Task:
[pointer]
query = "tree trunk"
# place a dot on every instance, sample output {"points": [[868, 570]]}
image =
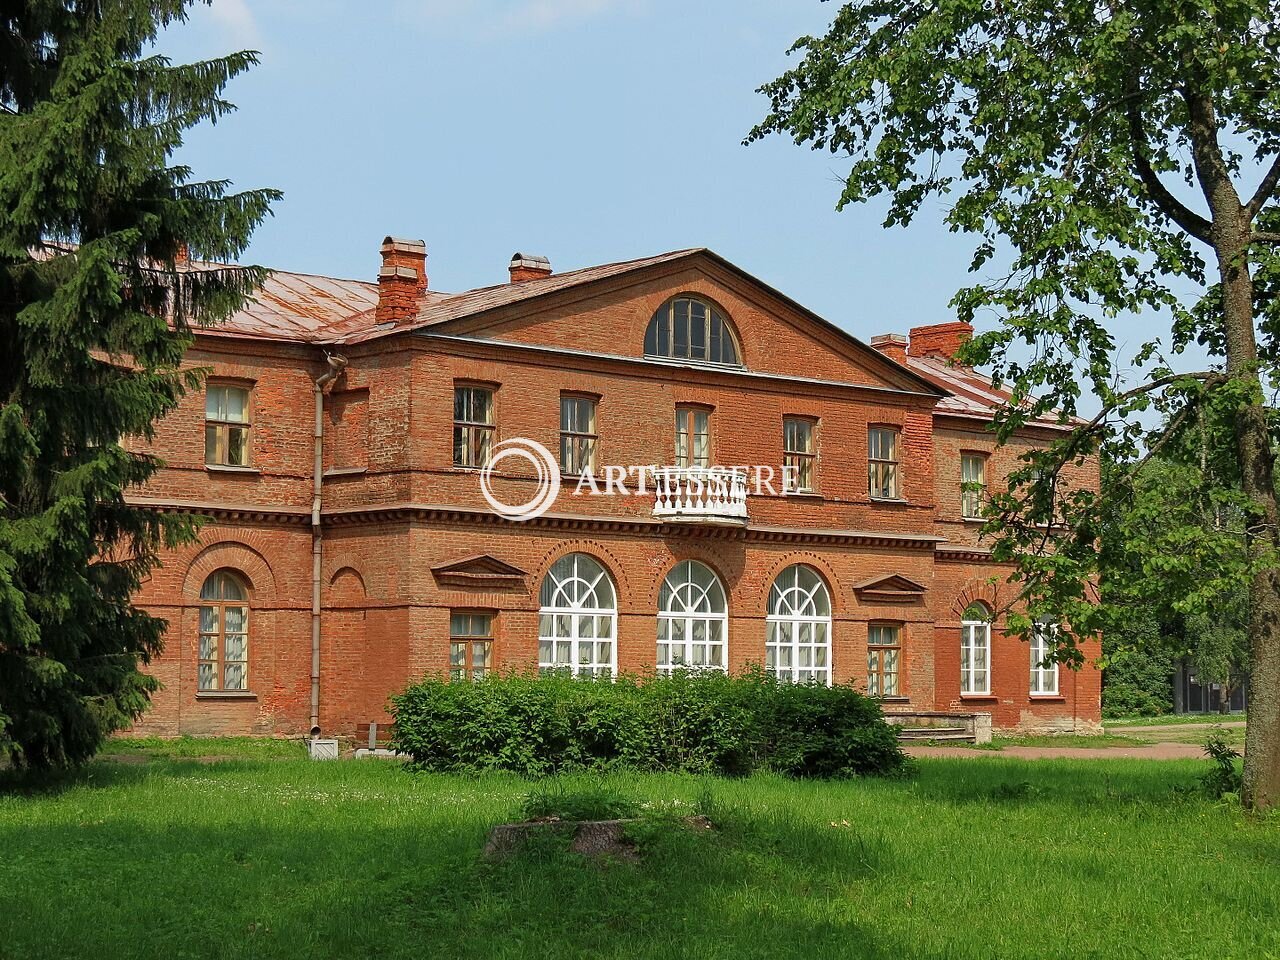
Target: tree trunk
{"points": [[1253, 446], [1230, 234]]}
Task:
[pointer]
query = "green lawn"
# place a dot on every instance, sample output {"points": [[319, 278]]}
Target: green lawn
{"points": [[1176, 719], [172, 856]]}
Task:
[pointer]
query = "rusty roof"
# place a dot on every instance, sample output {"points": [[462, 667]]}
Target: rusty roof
{"points": [[971, 394], [306, 308]]}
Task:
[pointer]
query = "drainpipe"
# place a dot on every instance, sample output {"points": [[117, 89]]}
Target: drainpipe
{"points": [[337, 363]]}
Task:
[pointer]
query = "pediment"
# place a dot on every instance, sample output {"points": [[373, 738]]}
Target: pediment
{"points": [[893, 587], [604, 312], [481, 571]]}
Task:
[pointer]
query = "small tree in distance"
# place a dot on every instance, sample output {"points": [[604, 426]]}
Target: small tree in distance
{"points": [[1098, 152], [95, 315]]}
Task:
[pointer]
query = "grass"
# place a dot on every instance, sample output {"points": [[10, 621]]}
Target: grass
{"points": [[257, 857], [1172, 719]]}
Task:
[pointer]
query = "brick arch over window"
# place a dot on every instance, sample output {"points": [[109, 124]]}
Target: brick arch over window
{"points": [[346, 587], [990, 595], [594, 548], [729, 570], [760, 597], [251, 566]]}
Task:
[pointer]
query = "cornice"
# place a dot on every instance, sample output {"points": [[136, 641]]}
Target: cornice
{"points": [[444, 514], [227, 512], [447, 514]]}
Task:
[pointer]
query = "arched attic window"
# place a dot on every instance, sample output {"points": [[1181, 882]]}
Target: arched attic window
{"points": [[687, 328]]}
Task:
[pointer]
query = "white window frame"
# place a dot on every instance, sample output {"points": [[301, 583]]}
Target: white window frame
{"points": [[575, 608], [975, 637], [795, 610], [971, 500], [1044, 680], [693, 626]]}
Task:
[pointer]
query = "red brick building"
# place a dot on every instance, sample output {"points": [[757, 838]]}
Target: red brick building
{"points": [[337, 449]]}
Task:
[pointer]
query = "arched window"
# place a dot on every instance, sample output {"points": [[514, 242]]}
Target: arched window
{"points": [[689, 329], [975, 650], [578, 618], [224, 633], [693, 619], [798, 626]]}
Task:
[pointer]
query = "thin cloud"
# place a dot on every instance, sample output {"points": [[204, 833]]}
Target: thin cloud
{"points": [[235, 19]]}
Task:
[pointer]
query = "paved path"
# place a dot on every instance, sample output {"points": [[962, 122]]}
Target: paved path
{"points": [[1153, 751]]}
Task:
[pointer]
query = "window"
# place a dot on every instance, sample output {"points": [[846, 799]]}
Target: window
{"points": [[798, 454], [226, 426], [693, 437], [578, 618], [884, 644], [470, 645], [472, 426], [577, 435], [1044, 641], [973, 482], [693, 619], [798, 626], [975, 651], [882, 461], [689, 329], [224, 634]]}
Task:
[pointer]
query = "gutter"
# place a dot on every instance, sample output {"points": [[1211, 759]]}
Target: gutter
{"points": [[337, 363]]}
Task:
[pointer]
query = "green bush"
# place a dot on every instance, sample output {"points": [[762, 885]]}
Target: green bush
{"points": [[687, 722]]}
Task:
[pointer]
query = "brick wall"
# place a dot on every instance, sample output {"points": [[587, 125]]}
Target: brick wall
{"points": [[388, 422]]}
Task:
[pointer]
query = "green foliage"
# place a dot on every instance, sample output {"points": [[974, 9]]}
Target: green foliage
{"points": [[95, 315], [1138, 663], [1224, 779], [691, 722], [1047, 131], [556, 802]]}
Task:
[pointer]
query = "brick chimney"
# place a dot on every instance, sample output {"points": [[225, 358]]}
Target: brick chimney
{"points": [[939, 340], [529, 266], [892, 345], [402, 280]]}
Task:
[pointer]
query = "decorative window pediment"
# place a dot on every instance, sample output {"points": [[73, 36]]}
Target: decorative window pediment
{"points": [[480, 571], [893, 587]]}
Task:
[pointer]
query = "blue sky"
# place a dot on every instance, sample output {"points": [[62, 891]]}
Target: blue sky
{"points": [[584, 130]]}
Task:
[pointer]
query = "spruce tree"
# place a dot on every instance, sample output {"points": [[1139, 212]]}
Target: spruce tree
{"points": [[97, 307]]}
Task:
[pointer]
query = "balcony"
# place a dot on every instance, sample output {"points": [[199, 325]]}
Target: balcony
{"points": [[701, 495]]}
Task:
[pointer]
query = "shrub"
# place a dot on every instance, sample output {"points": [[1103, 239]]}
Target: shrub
{"points": [[1224, 777], [687, 722]]}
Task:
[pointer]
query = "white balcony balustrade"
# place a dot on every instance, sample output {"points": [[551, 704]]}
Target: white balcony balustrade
{"points": [[701, 494]]}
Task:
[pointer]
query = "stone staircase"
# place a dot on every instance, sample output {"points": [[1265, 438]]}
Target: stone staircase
{"points": [[927, 725]]}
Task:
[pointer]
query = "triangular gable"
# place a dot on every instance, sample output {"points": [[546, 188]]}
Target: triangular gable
{"points": [[480, 570], [894, 587], [530, 311]]}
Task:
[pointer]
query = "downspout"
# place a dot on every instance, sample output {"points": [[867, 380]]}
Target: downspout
{"points": [[337, 363]]}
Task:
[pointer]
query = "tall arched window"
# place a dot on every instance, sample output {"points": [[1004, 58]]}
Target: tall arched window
{"points": [[690, 329], [224, 633], [693, 619], [975, 651], [798, 626], [578, 618]]}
